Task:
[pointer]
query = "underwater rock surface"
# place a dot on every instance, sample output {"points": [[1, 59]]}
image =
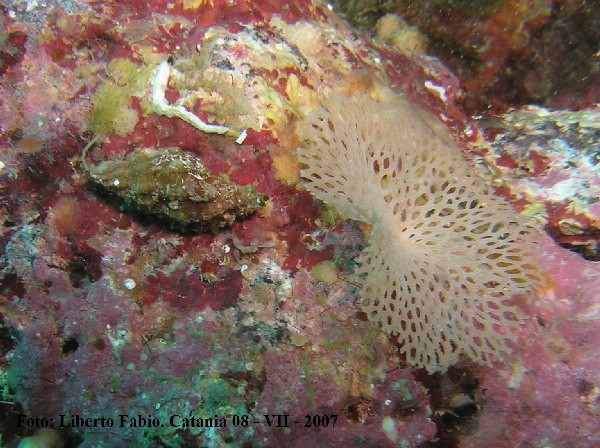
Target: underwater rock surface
{"points": [[165, 334]]}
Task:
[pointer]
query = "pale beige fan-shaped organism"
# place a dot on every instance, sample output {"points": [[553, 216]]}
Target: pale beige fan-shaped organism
{"points": [[445, 255]]}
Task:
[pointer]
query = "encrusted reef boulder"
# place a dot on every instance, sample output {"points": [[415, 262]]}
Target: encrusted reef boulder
{"points": [[108, 318], [177, 188]]}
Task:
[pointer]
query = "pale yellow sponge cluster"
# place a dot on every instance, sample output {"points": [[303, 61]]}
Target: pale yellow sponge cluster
{"points": [[393, 30], [446, 258]]}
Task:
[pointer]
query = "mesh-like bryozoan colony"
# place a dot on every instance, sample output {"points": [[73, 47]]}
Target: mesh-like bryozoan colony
{"points": [[445, 255]]}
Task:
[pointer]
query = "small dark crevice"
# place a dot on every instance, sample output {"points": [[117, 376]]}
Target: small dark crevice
{"points": [[455, 411]]}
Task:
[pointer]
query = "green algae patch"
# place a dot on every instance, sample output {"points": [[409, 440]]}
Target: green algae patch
{"points": [[112, 111], [125, 73], [325, 272], [219, 398], [330, 217]]}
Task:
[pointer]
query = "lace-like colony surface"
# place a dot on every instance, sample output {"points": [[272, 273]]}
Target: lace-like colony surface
{"points": [[445, 255]]}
